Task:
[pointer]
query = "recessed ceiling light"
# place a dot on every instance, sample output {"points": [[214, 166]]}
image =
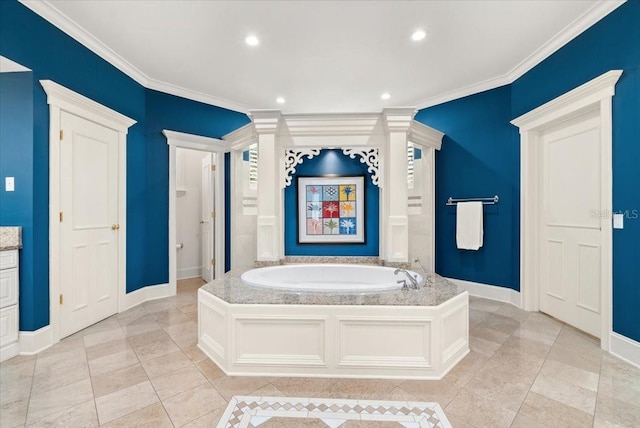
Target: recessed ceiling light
{"points": [[418, 35], [385, 96], [252, 40], [280, 100]]}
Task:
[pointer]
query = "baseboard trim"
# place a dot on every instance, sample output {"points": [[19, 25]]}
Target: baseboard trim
{"points": [[487, 291], [624, 348], [141, 295], [190, 272], [32, 342]]}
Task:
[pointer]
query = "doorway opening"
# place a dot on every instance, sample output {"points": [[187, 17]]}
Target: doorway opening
{"points": [[196, 207], [195, 214]]}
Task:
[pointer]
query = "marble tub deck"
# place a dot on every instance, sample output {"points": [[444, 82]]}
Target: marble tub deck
{"points": [[231, 289]]}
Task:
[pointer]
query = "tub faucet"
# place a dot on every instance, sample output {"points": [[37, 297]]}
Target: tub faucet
{"points": [[427, 278], [412, 280]]}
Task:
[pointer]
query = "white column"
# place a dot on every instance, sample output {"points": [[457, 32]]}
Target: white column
{"points": [[269, 229], [397, 122]]}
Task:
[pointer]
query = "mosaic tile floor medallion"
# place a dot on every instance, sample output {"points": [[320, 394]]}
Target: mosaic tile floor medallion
{"points": [[284, 412]]}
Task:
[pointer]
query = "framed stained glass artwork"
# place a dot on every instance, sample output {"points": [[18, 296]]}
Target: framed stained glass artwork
{"points": [[331, 210]]}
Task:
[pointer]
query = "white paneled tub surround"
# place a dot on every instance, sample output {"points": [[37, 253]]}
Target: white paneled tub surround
{"points": [[327, 278], [355, 336]]}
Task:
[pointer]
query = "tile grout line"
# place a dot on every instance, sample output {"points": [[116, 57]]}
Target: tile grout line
{"points": [[93, 391], [474, 376], [595, 407], [540, 329], [538, 373]]}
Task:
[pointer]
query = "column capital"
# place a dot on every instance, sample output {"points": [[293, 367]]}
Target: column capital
{"points": [[398, 119], [266, 121]]}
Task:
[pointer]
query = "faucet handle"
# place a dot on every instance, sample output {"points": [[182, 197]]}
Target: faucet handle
{"points": [[404, 283]]}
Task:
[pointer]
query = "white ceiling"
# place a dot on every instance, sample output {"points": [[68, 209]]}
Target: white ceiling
{"points": [[323, 56]]}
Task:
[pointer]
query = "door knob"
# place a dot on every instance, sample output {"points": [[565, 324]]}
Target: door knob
{"points": [[115, 226], [201, 221]]}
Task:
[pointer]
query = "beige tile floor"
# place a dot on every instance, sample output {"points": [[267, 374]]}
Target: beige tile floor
{"points": [[143, 368]]}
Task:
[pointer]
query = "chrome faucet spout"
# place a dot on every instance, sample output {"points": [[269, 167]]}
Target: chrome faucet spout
{"points": [[427, 278], [412, 280]]}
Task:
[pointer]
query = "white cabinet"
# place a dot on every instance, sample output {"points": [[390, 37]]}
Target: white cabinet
{"points": [[9, 286]]}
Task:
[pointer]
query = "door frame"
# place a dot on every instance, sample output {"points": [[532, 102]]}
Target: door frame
{"points": [[205, 144], [205, 260], [62, 99], [593, 96]]}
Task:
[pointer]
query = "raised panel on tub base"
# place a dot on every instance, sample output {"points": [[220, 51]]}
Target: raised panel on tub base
{"points": [[212, 327], [398, 343], [278, 341], [455, 334], [405, 342]]}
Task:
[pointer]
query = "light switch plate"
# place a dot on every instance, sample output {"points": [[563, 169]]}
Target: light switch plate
{"points": [[618, 221], [9, 184]]}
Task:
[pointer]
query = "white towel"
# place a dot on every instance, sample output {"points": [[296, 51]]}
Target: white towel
{"points": [[469, 231]]}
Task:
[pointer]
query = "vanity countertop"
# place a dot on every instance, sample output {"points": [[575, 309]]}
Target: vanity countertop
{"points": [[231, 289], [10, 238]]}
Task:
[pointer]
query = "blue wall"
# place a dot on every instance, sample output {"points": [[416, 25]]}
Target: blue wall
{"points": [[480, 156], [166, 111], [478, 159], [332, 162], [16, 160], [33, 42]]}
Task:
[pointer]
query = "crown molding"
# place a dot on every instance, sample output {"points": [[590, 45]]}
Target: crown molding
{"points": [[332, 124], [242, 138], [195, 142], [398, 119], [570, 32], [50, 13], [189, 94], [424, 135], [266, 121], [474, 88]]}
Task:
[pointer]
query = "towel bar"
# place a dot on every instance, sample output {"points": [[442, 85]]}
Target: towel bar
{"points": [[485, 201]]}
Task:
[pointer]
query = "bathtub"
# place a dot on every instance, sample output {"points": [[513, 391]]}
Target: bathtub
{"points": [[327, 278], [270, 331]]}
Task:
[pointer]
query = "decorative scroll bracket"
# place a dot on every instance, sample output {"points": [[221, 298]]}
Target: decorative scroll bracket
{"points": [[292, 158], [369, 157]]}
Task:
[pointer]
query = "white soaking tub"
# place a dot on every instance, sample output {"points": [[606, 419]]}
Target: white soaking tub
{"points": [[327, 278]]}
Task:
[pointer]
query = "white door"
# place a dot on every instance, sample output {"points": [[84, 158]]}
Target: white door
{"points": [[208, 216], [88, 223], [571, 237]]}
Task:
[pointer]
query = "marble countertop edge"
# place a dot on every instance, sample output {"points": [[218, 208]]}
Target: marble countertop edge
{"points": [[10, 238]]}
